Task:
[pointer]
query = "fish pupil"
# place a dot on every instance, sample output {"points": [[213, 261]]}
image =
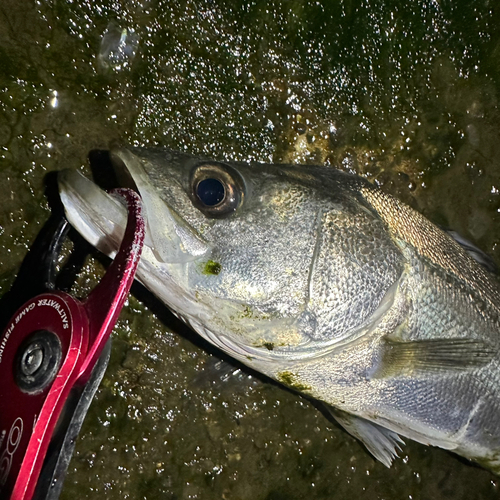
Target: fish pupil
{"points": [[210, 192]]}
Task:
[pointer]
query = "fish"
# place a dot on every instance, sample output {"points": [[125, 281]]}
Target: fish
{"points": [[323, 282]]}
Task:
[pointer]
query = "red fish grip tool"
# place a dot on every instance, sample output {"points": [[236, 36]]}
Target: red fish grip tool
{"points": [[53, 354]]}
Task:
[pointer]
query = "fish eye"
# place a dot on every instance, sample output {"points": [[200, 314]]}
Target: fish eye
{"points": [[216, 189], [210, 192]]}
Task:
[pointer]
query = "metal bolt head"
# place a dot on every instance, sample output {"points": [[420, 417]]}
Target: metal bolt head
{"points": [[37, 361]]}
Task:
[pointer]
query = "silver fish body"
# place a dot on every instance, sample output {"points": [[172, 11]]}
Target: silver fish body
{"points": [[318, 279]]}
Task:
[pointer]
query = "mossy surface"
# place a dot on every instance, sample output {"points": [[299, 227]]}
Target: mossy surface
{"points": [[293, 381], [211, 268]]}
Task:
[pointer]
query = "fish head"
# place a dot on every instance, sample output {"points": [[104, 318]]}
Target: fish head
{"points": [[228, 247], [236, 250]]}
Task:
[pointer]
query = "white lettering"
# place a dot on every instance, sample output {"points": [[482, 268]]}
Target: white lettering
{"points": [[4, 340], [25, 311], [55, 305], [15, 434]]}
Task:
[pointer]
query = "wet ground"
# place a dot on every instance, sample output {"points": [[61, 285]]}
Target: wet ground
{"points": [[404, 95]]}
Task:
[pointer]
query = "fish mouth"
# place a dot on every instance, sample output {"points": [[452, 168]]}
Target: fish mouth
{"points": [[101, 218]]}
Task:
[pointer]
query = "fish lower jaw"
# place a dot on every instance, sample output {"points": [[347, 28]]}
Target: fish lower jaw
{"points": [[264, 355], [239, 351]]}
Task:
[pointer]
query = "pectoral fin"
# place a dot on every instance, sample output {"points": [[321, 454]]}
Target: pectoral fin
{"points": [[427, 356], [382, 443]]}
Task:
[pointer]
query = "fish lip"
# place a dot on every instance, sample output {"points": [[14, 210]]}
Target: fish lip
{"points": [[80, 195], [121, 169]]}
